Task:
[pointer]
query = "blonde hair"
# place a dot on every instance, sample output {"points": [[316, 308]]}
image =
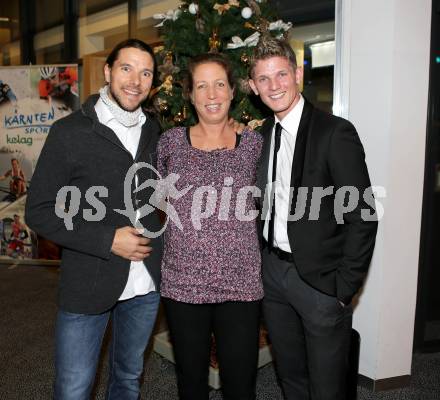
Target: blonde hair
{"points": [[268, 47]]}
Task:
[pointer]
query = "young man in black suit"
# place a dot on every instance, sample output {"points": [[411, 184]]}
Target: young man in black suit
{"points": [[314, 260]]}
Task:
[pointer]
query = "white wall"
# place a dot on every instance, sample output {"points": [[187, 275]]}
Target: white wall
{"points": [[386, 97]]}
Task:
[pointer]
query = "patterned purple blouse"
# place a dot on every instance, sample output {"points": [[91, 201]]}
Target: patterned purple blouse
{"points": [[215, 258]]}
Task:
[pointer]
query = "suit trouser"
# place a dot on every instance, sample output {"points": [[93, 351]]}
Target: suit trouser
{"points": [[310, 334], [236, 329]]}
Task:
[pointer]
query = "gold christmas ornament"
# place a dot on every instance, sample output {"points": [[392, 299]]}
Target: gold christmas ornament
{"points": [[179, 118], [261, 26], [214, 41], [245, 117], [244, 59], [163, 107], [167, 85], [248, 25], [160, 104], [221, 8], [167, 68]]}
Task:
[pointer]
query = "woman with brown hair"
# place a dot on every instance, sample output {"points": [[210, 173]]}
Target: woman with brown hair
{"points": [[211, 281]]}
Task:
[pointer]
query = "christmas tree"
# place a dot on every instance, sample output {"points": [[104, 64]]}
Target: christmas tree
{"points": [[232, 28]]}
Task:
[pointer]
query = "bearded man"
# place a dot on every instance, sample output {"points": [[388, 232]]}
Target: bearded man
{"points": [[109, 271]]}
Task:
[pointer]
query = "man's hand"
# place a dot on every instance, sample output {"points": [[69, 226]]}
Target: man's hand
{"points": [[237, 126], [128, 243]]}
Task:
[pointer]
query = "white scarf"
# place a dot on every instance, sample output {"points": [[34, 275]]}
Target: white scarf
{"points": [[126, 118]]}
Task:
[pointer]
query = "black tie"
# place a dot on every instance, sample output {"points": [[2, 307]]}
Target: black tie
{"points": [[276, 147]]}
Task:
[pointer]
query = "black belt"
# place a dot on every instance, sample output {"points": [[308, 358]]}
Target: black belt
{"points": [[281, 254]]}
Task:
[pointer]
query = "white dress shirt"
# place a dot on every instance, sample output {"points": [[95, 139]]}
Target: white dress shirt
{"points": [[139, 280], [290, 124]]}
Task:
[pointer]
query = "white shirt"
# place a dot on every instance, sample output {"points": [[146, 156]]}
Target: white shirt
{"points": [[139, 280], [290, 124]]}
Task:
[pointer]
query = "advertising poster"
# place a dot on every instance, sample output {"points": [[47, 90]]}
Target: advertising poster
{"points": [[32, 98]]}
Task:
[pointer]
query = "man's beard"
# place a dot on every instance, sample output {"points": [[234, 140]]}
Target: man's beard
{"points": [[118, 101]]}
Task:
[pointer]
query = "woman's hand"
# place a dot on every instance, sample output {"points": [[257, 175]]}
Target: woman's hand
{"points": [[236, 126]]}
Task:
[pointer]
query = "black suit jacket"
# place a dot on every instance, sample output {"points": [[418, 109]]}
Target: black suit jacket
{"points": [[331, 250], [81, 152]]}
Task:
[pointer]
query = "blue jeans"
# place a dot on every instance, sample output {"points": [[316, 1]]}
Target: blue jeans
{"points": [[78, 340]]}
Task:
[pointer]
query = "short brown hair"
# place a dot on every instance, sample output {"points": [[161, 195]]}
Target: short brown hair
{"points": [[268, 47], [206, 58]]}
